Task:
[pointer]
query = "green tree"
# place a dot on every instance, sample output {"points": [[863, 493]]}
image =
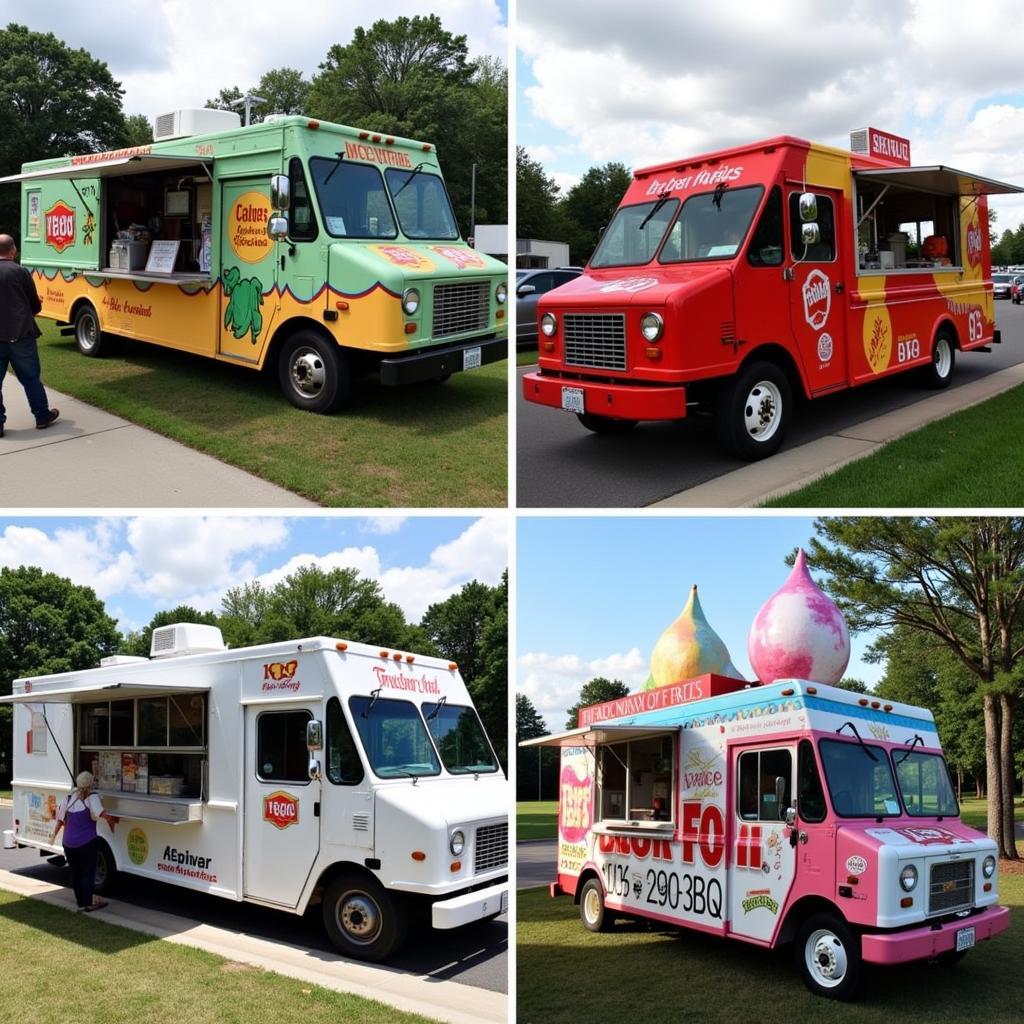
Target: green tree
{"points": [[47, 624], [54, 101], [960, 581], [137, 130], [536, 768], [537, 200], [138, 642], [590, 205], [853, 685], [283, 91], [224, 99], [596, 691], [1002, 251]]}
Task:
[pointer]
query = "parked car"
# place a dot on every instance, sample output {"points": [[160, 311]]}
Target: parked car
{"points": [[530, 286], [1017, 288], [1001, 285]]}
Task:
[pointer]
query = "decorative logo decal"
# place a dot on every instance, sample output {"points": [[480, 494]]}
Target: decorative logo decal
{"points": [[877, 337], [396, 681], [402, 256], [974, 243], [60, 225], [281, 809], [630, 284], [703, 775], [462, 258], [817, 293], [856, 865], [574, 816], [931, 836], [280, 675], [242, 315], [138, 846], [247, 227], [760, 898], [825, 348]]}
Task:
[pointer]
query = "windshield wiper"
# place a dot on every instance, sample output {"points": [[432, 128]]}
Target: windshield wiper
{"points": [[416, 170], [716, 199], [437, 707], [863, 745], [330, 173], [374, 697], [917, 739], [663, 198]]}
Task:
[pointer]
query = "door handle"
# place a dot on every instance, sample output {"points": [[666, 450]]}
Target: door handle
{"points": [[839, 287]]}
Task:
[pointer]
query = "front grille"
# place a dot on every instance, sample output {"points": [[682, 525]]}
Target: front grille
{"points": [[951, 886], [595, 339], [459, 308], [491, 847]]}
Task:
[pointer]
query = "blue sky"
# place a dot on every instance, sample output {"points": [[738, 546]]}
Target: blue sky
{"points": [[594, 594], [144, 564]]}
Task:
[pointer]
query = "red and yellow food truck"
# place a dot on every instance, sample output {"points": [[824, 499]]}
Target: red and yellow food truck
{"points": [[735, 280]]}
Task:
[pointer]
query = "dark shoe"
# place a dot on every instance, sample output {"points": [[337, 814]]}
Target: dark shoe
{"points": [[1, 430], [51, 418]]}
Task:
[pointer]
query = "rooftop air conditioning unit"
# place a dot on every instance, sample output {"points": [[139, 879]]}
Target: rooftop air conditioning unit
{"points": [[185, 638], [181, 124]]}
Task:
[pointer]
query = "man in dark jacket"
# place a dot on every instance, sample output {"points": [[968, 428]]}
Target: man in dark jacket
{"points": [[19, 303]]}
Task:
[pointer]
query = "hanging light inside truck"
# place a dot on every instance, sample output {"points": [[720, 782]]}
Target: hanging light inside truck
{"points": [[651, 326], [548, 324]]}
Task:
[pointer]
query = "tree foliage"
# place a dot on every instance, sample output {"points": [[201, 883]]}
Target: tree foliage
{"points": [[283, 91], [530, 762], [595, 691], [537, 200], [589, 206]]}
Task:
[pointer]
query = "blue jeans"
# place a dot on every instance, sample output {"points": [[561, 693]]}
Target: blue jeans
{"points": [[23, 355]]}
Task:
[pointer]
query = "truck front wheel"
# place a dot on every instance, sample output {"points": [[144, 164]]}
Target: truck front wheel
{"points": [[751, 411], [88, 335], [828, 956], [593, 913], [314, 373], [362, 918]]}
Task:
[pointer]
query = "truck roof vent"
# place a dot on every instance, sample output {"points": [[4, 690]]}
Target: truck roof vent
{"points": [[185, 638], [121, 659], [181, 124], [859, 141]]}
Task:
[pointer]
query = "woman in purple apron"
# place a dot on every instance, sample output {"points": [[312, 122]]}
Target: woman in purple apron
{"points": [[77, 815]]}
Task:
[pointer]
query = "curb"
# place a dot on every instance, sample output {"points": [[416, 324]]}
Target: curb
{"points": [[441, 1000]]}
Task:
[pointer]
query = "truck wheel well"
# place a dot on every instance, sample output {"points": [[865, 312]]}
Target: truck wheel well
{"points": [[331, 872], [800, 911], [81, 301], [950, 328], [582, 881], [285, 331], [776, 354]]}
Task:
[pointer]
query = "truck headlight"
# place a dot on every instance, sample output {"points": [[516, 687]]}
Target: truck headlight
{"points": [[457, 842], [501, 293], [908, 878], [410, 300], [988, 866], [548, 324], [651, 326]]}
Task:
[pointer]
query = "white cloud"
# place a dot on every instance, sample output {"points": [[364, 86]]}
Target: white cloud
{"points": [[384, 525], [553, 681]]}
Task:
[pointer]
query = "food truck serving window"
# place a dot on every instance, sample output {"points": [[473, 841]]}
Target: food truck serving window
{"points": [[634, 234], [460, 739], [757, 796], [636, 780], [343, 765], [422, 204], [712, 225], [924, 784], [859, 779], [281, 752], [353, 200], [394, 737]]}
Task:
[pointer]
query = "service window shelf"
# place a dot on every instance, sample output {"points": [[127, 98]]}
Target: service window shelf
{"points": [[141, 275], [171, 810], [618, 826]]}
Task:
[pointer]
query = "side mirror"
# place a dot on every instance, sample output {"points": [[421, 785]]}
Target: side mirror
{"points": [[314, 769], [526, 289], [314, 735], [280, 192], [790, 816], [277, 227], [808, 206], [780, 792], [809, 234]]}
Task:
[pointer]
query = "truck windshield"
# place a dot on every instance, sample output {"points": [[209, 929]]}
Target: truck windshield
{"points": [[859, 779], [628, 244], [353, 200], [712, 226], [422, 204], [924, 784], [459, 736], [394, 738]]}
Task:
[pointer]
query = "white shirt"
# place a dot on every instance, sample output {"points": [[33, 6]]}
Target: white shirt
{"points": [[73, 802]]}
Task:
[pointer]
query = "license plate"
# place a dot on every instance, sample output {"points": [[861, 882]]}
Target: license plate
{"points": [[504, 904], [572, 400], [964, 939], [471, 358]]}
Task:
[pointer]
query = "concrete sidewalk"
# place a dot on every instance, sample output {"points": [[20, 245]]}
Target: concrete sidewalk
{"points": [[91, 458], [779, 474], [442, 1000]]}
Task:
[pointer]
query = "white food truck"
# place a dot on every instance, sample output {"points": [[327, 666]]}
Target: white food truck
{"points": [[284, 774]]}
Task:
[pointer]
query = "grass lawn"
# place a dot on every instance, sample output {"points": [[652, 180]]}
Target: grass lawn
{"points": [[424, 445], [657, 973], [528, 357], [6, 794], [536, 819], [961, 460], [975, 812], [61, 966]]}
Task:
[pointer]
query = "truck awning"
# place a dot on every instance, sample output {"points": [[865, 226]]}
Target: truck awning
{"points": [[592, 735], [86, 693], [938, 179], [112, 167]]}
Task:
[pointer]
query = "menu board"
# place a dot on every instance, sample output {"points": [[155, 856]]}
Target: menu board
{"points": [[162, 257], [110, 770]]}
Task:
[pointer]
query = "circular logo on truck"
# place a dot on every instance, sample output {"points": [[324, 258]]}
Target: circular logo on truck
{"points": [[247, 227], [138, 846], [817, 294], [281, 809]]}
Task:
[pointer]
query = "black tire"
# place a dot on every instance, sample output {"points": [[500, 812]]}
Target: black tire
{"points": [[605, 424], [314, 373], [91, 341], [828, 956], [106, 870], [752, 411], [363, 919], [939, 371], [593, 913]]}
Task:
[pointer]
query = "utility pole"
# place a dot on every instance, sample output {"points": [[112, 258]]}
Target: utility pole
{"points": [[247, 102]]}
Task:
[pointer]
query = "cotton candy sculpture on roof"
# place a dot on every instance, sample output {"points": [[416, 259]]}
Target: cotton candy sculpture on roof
{"points": [[799, 633], [689, 648]]}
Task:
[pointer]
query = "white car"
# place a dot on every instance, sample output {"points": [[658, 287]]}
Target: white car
{"points": [[1001, 285]]}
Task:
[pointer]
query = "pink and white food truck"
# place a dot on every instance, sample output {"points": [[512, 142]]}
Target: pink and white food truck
{"points": [[779, 811]]}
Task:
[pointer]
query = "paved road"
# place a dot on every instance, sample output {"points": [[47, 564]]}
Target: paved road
{"points": [[476, 955], [536, 862], [562, 465]]}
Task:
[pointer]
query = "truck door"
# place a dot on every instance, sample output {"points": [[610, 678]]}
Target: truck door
{"points": [[282, 805], [248, 271], [763, 862], [817, 293]]}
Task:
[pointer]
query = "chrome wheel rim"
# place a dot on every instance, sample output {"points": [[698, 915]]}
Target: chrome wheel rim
{"points": [[762, 410], [359, 918], [826, 958], [943, 358], [307, 372], [87, 332]]}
